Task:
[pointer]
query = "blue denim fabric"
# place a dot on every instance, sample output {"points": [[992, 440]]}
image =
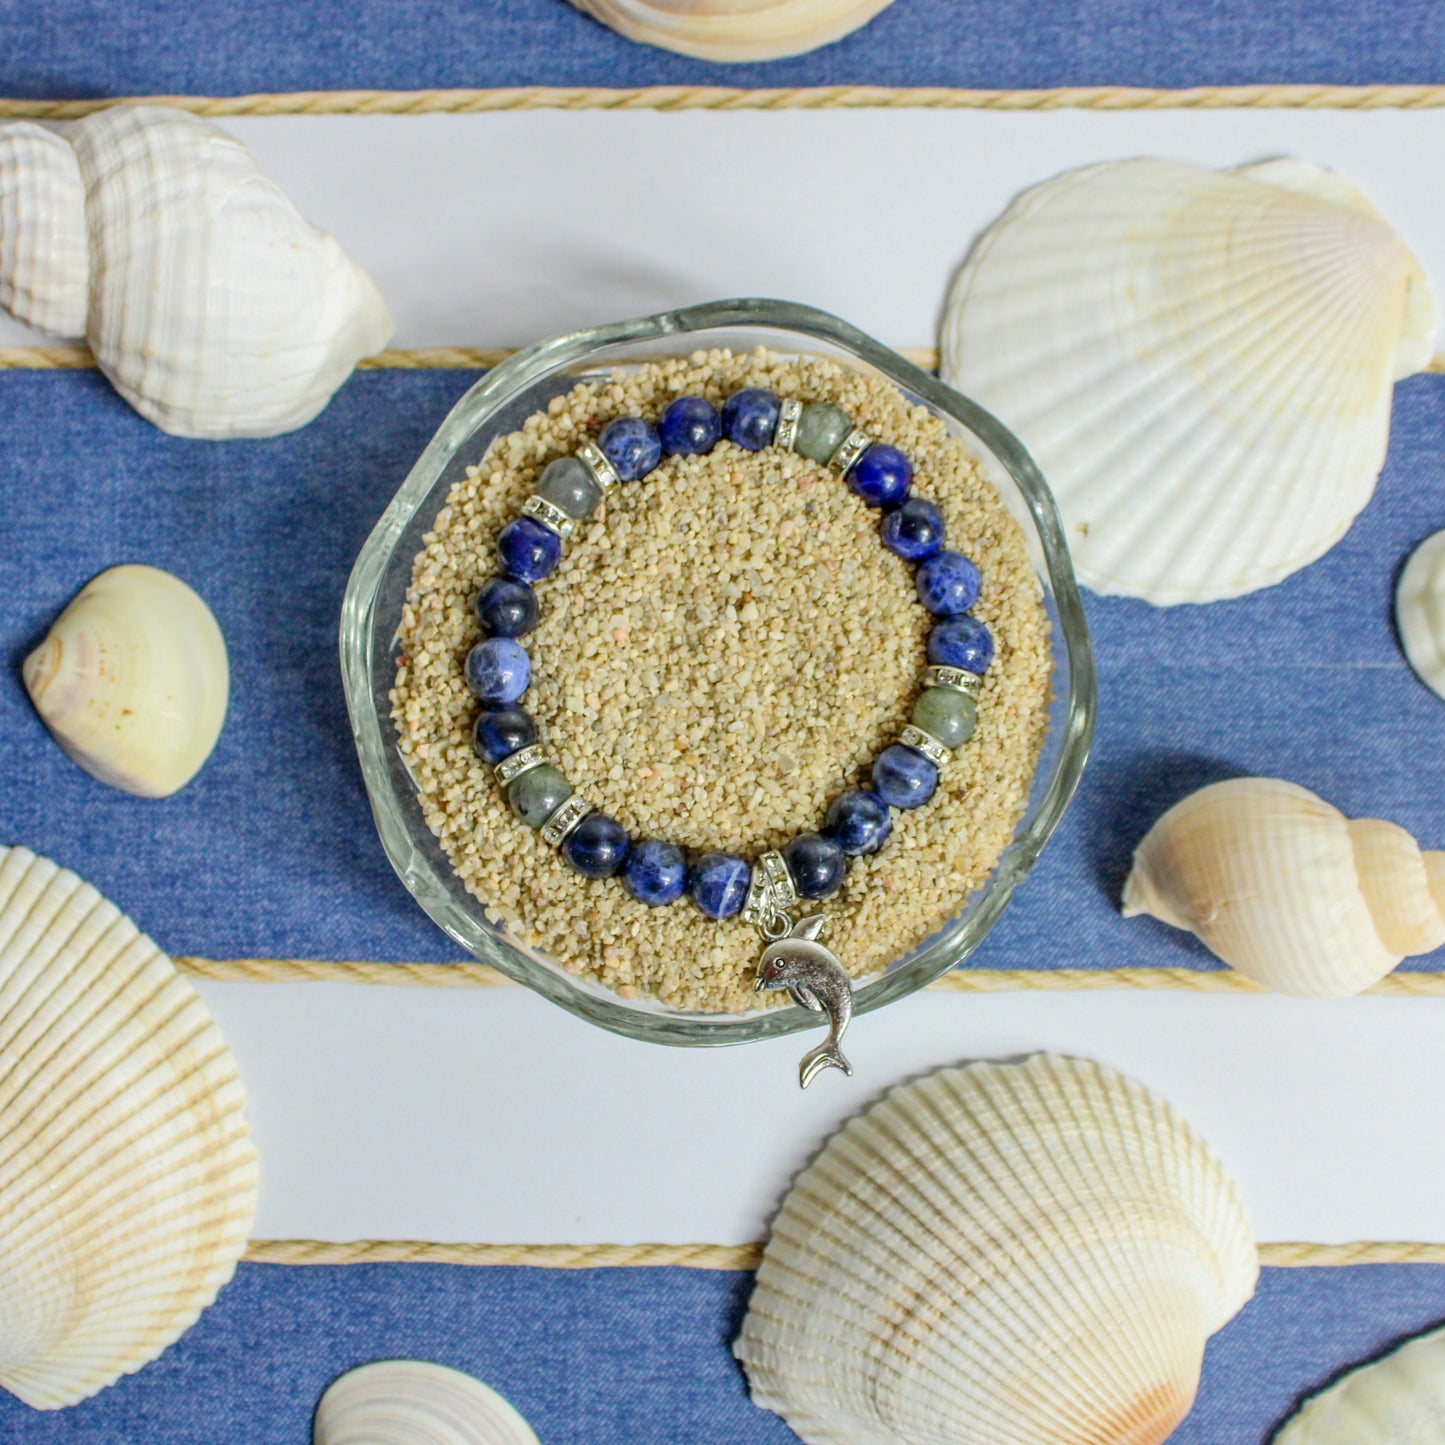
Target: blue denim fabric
{"points": [[634, 1356], [226, 47], [271, 850]]}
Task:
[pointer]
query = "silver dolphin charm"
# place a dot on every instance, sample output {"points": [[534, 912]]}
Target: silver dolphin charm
{"points": [[815, 978]]}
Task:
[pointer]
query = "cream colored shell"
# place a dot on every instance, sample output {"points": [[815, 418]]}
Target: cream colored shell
{"points": [[1007, 1254], [411, 1402], [214, 309], [133, 680], [127, 1178], [1201, 362], [734, 29], [1420, 612], [1288, 890], [1399, 1400]]}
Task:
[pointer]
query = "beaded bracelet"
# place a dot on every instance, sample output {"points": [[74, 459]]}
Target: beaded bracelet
{"points": [[904, 775]]}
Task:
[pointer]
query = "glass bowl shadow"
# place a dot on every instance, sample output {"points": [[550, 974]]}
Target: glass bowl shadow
{"points": [[499, 403]]}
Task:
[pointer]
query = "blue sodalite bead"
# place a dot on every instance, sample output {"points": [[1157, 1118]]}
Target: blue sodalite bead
{"points": [[881, 476], [498, 670], [527, 550], [903, 778], [718, 884], [948, 583], [750, 418], [689, 426], [859, 821], [507, 608], [596, 846], [913, 530], [961, 642], [632, 446], [816, 863], [655, 872], [501, 731]]}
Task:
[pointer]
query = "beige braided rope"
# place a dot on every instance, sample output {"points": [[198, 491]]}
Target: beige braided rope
{"points": [[719, 97], [1286, 1254]]}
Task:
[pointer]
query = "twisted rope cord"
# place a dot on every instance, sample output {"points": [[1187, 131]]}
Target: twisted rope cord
{"points": [[718, 97]]}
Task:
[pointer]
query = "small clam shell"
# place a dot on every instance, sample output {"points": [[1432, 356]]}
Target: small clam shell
{"points": [[1399, 1400], [133, 680], [411, 1402], [127, 1178], [44, 257], [1003, 1254], [1420, 612], [730, 30], [1286, 889]]}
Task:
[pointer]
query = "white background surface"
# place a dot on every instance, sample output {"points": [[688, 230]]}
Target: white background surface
{"points": [[492, 1116]]}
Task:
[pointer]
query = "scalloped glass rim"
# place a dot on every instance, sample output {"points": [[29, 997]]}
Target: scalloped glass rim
{"points": [[497, 404]]}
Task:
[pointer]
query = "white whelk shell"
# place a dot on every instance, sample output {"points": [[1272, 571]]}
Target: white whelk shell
{"points": [[133, 681], [729, 30], [1201, 362], [1399, 1400], [1420, 612], [44, 255], [127, 1178], [1286, 889], [1008, 1254], [411, 1402], [213, 307]]}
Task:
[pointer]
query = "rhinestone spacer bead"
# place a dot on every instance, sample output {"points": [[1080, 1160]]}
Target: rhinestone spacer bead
{"points": [[787, 432], [553, 518], [850, 449], [564, 818], [521, 761], [957, 678], [771, 890], [925, 743], [595, 460]]}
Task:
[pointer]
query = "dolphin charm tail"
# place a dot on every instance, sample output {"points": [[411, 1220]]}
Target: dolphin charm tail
{"points": [[825, 1056]]}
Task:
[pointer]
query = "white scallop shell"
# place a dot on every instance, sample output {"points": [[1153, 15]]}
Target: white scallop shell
{"points": [[214, 309], [411, 1402], [127, 1178], [1286, 889], [1201, 362], [1399, 1400], [1007, 1254], [730, 30], [1420, 612], [133, 680], [44, 258]]}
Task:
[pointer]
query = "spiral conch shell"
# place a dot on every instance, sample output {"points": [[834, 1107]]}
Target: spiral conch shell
{"points": [[1008, 1254], [412, 1402], [1420, 612], [1399, 1400], [213, 308], [127, 1178], [1201, 362], [729, 30], [133, 681], [1288, 890]]}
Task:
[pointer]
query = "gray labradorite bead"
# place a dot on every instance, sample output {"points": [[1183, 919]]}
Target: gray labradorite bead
{"points": [[566, 483], [821, 430], [537, 794], [945, 714]]}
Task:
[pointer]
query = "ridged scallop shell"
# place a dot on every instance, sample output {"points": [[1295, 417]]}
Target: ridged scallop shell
{"points": [[133, 680], [213, 308], [44, 265], [733, 30], [411, 1402], [1286, 889], [1008, 1254], [1420, 612], [127, 1178], [1398, 1400], [1201, 362]]}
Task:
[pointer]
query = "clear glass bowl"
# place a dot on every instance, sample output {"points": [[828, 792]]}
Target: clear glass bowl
{"points": [[498, 404]]}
